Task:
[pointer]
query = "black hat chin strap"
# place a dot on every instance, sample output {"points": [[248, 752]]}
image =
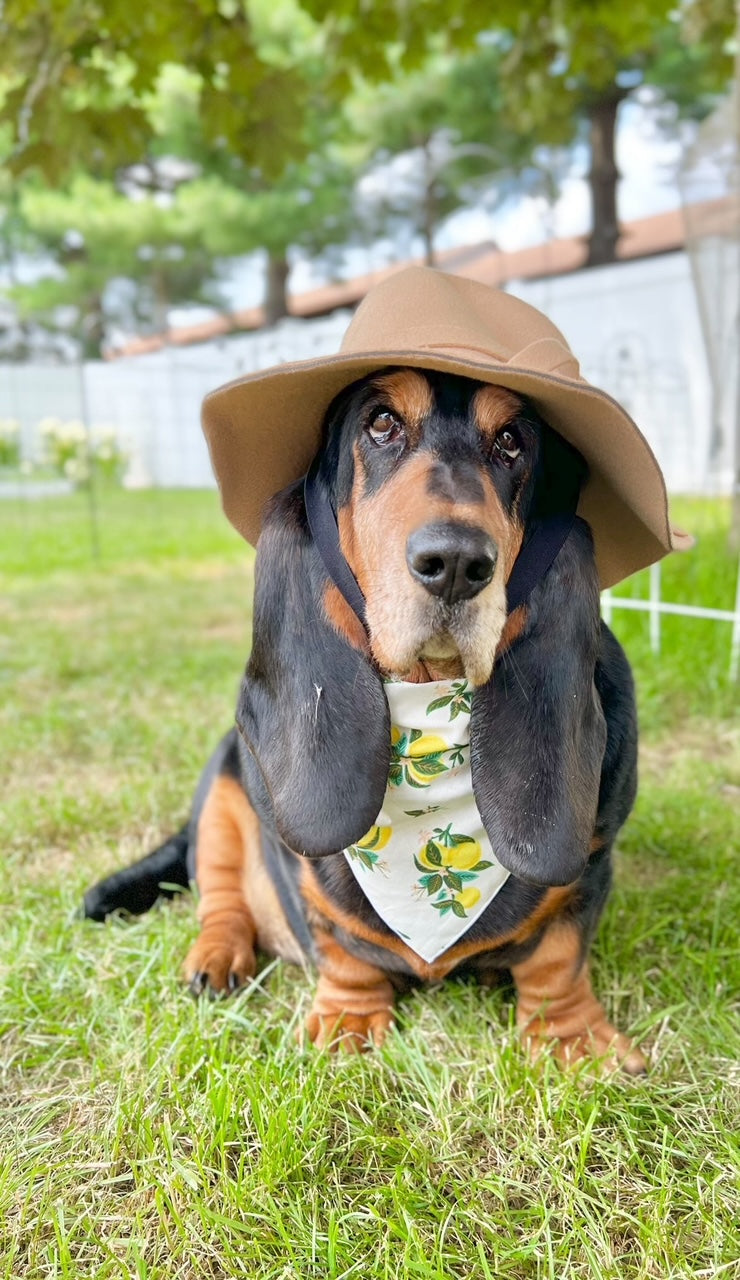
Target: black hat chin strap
{"points": [[536, 557], [322, 521]]}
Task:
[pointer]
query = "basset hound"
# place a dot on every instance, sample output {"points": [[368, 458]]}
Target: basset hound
{"points": [[439, 484]]}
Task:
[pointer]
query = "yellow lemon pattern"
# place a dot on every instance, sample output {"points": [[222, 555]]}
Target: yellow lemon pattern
{"points": [[426, 865], [449, 862], [418, 758], [467, 898], [367, 849]]}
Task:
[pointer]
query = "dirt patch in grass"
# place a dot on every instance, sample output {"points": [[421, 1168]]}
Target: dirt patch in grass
{"points": [[99, 855], [712, 741], [233, 632]]}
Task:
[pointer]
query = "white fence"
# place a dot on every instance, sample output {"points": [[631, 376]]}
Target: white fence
{"points": [[655, 606], [154, 401], [634, 326]]}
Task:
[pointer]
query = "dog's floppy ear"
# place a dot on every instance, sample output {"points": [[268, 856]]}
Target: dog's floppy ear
{"points": [[312, 712], [537, 729]]}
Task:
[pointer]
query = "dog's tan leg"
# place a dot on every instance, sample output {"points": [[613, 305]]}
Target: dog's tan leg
{"points": [[557, 1006], [353, 1005], [222, 957]]}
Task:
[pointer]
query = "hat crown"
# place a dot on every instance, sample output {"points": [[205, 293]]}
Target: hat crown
{"points": [[420, 309]]}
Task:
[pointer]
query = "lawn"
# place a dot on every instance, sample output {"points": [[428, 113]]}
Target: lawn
{"points": [[144, 1135]]}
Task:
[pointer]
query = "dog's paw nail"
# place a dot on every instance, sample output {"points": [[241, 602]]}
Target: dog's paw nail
{"points": [[234, 982], [198, 984]]}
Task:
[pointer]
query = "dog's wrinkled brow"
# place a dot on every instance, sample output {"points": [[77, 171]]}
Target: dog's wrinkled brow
{"points": [[493, 407], [408, 393]]}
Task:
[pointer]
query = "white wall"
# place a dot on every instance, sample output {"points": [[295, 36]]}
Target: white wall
{"points": [[634, 327]]}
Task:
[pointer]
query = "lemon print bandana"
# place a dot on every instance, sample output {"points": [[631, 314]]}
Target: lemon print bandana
{"points": [[427, 865]]}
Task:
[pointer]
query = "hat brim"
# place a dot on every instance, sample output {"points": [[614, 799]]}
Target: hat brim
{"points": [[264, 429]]}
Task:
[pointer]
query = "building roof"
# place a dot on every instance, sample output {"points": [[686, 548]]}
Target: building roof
{"points": [[660, 233]]}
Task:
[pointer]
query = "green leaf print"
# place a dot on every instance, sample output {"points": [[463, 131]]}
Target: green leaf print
{"points": [[429, 766], [432, 854], [365, 856], [458, 699], [439, 703], [450, 904]]}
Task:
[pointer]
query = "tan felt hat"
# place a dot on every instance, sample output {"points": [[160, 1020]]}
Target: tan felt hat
{"points": [[264, 429]]}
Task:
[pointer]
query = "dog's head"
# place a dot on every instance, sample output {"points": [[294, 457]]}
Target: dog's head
{"points": [[435, 479]]}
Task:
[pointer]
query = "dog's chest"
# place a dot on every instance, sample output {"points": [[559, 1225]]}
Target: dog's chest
{"points": [[427, 865]]}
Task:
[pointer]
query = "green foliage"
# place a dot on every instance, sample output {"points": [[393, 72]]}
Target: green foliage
{"points": [[234, 205], [585, 53], [77, 78], [239, 92], [274, 107], [554, 66], [455, 114], [93, 235], [10, 451], [563, 47], [309, 207]]}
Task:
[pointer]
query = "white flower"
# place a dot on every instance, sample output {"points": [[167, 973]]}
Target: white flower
{"points": [[76, 470], [72, 432], [49, 426], [104, 435]]}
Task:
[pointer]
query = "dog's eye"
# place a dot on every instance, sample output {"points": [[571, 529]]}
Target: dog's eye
{"points": [[507, 446], [384, 427]]}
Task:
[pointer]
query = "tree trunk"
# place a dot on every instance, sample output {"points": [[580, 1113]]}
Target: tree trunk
{"points": [[429, 206], [276, 294], [603, 177], [92, 331], [161, 303], [429, 226], [735, 512]]}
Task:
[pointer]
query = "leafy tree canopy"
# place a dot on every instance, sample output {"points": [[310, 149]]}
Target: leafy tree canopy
{"points": [[558, 64], [112, 260], [77, 74]]}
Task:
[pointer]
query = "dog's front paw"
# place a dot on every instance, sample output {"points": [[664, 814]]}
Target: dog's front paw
{"points": [[600, 1042], [222, 958], [340, 1031]]}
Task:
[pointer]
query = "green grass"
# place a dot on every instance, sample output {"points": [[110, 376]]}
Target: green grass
{"points": [[143, 1135]]}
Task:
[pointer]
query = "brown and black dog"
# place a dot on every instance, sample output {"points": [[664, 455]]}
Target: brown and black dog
{"points": [[436, 480]]}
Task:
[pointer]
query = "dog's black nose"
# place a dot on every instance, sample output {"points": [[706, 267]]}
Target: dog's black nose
{"points": [[451, 560]]}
